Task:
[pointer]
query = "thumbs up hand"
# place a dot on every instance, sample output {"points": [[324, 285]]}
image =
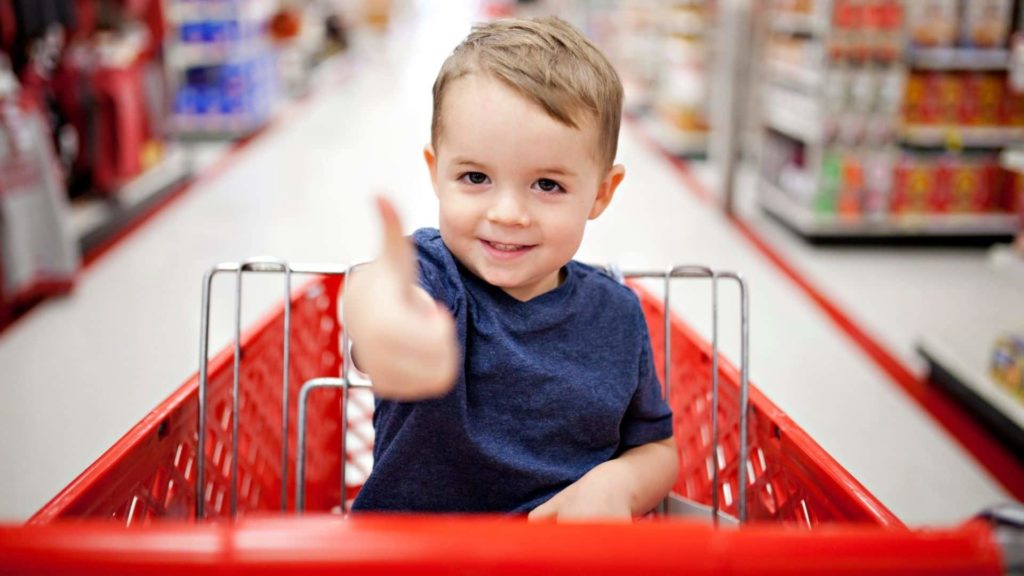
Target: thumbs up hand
{"points": [[401, 336]]}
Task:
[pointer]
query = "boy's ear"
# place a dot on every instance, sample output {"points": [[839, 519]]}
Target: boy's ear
{"points": [[431, 158], [606, 189]]}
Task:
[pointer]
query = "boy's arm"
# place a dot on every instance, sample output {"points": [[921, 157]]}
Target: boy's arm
{"points": [[406, 340], [619, 489]]}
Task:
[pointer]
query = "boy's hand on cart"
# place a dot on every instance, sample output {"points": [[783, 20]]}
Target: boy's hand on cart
{"points": [[405, 340], [630, 485], [599, 495]]}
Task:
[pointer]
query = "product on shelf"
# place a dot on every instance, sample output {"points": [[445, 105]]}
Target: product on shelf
{"points": [[866, 30], [224, 68], [985, 23], [933, 23], [961, 99], [950, 184], [1008, 364], [891, 112]]}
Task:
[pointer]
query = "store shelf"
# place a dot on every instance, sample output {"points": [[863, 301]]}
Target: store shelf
{"points": [[958, 59], [194, 55], [832, 228], [674, 141], [804, 79], [686, 24], [1012, 159], [797, 24], [184, 12], [964, 374], [95, 221], [966, 136], [793, 114]]}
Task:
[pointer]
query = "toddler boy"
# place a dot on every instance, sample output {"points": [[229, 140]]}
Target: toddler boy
{"points": [[509, 377]]}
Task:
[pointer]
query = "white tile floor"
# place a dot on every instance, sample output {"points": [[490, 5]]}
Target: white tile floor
{"points": [[79, 371]]}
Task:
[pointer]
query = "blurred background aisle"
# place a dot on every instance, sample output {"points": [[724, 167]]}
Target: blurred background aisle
{"points": [[855, 159]]}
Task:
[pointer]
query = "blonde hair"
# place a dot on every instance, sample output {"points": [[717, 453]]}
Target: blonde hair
{"points": [[548, 61]]}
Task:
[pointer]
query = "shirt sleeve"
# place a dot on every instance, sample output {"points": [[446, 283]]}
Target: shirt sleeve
{"points": [[432, 266], [648, 417]]}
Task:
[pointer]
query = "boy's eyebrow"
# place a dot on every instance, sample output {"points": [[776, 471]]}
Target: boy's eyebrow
{"points": [[559, 170], [460, 161], [556, 170]]}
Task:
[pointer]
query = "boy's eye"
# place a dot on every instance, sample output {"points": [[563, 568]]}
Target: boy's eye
{"points": [[476, 178], [547, 185]]}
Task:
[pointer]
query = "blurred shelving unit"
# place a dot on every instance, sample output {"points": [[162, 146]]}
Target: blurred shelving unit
{"points": [[883, 120], [662, 51], [221, 67], [967, 365]]}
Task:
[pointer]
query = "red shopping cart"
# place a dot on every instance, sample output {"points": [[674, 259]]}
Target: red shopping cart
{"points": [[267, 379]]}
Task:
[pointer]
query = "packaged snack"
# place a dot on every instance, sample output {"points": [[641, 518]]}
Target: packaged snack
{"points": [[939, 198], [879, 169], [831, 178], [851, 188], [982, 102], [949, 91], [933, 23], [1010, 105], [1011, 199], [985, 23], [915, 180], [968, 187], [1008, 364], [915, 96]]}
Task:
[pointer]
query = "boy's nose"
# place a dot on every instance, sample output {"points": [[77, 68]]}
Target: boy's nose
{"points": [[509, 209]]}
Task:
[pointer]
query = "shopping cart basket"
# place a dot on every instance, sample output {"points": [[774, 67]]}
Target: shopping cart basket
{"points": [[265, 461]]}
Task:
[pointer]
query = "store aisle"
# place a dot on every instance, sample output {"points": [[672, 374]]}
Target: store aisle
{"points": [[97, 361]]}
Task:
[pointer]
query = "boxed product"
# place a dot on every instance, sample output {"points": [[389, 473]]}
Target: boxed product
{"points": [[851, 188], [915, 183], [983, 99], [1008, 364], [878, 181], [1011, 106], [948, 90], [1012, 200], [972, 185], [831, 180], [915, 100], [985, 23], [933, 23]]}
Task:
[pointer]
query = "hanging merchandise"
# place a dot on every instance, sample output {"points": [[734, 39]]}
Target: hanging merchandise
{"points": [[38, 250]]}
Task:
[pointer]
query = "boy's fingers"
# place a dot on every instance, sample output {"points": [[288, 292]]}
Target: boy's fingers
{"points": [[395, 250], [546, 511]]}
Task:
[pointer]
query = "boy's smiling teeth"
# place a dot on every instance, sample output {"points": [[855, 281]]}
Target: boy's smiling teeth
{"points": [[506, 247]]}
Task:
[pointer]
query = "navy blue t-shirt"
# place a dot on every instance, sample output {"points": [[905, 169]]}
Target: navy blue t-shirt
{"points": [[549, 389]]}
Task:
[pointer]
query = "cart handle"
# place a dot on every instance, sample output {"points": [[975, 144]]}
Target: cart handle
{"points": [[382, 544]]}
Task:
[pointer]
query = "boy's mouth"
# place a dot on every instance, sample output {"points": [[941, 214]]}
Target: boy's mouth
{"points": [[504, 250]]}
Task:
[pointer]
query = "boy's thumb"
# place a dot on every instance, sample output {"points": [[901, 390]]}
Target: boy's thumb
{"points": [[395, 249]]}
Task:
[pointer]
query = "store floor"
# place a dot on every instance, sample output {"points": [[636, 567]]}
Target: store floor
{"points": [[79, 371]]}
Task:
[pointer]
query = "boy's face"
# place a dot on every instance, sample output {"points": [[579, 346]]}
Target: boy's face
{"points": [[515, 186]]}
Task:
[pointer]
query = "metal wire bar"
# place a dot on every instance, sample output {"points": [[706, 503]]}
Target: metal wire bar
{"points": [[744, 387], [695, 272], [715, 480], [256, 265], [300, 457]]}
